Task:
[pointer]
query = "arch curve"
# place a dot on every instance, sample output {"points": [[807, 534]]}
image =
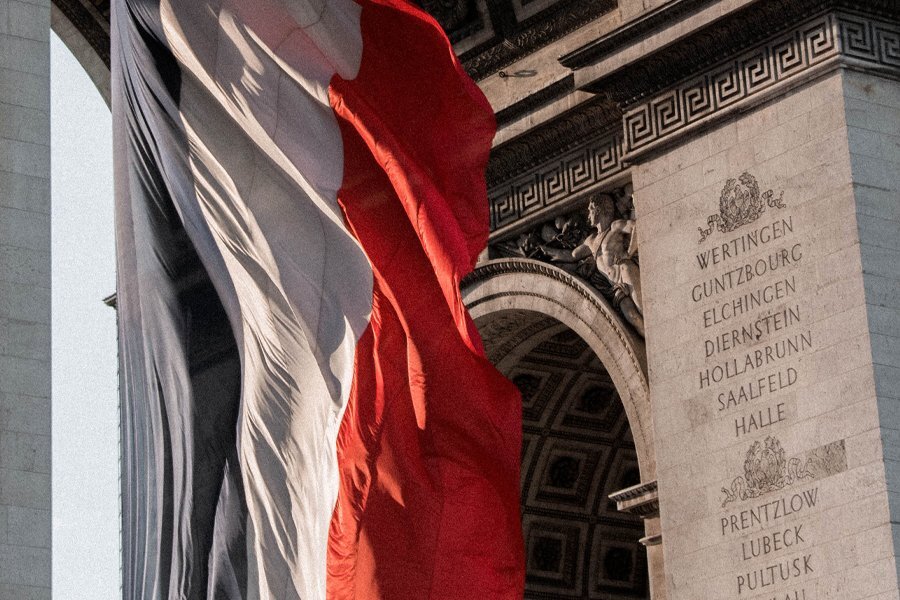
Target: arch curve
{"points": [[83, 26], [525, 284]]}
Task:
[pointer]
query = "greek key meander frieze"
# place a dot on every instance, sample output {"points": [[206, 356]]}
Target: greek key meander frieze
{"points": [[573, 173], [872, 41], [730, 82], [520, 191], [784, 57]]}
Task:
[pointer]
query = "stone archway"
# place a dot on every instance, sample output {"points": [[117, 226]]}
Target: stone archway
{"points": [[83, 26], [587, 432], [530, 285]]}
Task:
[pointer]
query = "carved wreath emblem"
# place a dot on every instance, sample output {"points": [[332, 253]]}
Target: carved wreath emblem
{"points": [[765, 470], [740, 203], [765, 466]]}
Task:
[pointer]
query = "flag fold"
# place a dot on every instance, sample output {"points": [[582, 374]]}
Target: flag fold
{"points": [[307, 410]]}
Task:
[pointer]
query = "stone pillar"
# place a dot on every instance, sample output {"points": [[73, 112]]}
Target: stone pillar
{"points": [[24, 300], [770, 259], [762, 138], [872, 109]]}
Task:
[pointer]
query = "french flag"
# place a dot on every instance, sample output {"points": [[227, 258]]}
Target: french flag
{"points": [[324, 161]]}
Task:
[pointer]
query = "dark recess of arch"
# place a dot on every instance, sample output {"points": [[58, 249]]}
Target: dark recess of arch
{"points": [[91, 18]]}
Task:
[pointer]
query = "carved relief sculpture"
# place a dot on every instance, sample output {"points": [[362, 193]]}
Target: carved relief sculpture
{"points": [[766, 468], [601, 249]]}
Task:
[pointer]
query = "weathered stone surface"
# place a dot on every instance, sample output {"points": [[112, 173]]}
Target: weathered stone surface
{"points": [[24, 300], [769, 402]]}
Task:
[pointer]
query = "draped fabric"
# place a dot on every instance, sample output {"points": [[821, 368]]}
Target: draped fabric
{"points": [[312, 172]]}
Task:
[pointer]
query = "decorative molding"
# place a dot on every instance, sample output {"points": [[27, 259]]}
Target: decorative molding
{"points": [[601, 307], [516, 40], [517, 266], [91, 19], [550, 140], [556, 163], [636, 491], [767, 469], [731, 82], [641, 500], [595, 244], [740, 204], [704, 47], [577, 172], [539, 99], [799, 52], [647, 23], [873, 41]]}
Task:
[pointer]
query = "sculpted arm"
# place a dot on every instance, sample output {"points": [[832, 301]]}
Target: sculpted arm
{"points": [[628, 226], [568, 256], [624, 225]]}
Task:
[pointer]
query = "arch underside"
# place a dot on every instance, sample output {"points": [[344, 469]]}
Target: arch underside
{"points": [[577, 449], [83, 26], [586, 427], [91, 18]]}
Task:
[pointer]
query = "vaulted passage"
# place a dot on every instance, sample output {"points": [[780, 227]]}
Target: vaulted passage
{"points": [[576, 450]]}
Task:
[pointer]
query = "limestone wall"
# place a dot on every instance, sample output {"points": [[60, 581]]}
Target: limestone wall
{"points": [[873, 114], [24, 300], [761, 343]]}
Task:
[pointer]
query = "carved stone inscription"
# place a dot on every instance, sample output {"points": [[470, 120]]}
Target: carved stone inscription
{"points": [[754, 330], [755, 333]]}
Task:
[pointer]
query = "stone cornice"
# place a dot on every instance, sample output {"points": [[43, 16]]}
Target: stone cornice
{"points": [[532, 34], [728, 36], [803, 52], [508, 39], [730, 82], [563, 179], [730, 67], [641, 26], [569, 130], [537, 100], [571, 154], [641, 500]]}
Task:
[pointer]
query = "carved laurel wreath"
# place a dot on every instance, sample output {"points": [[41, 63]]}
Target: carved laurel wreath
{"points": [[766, 470], [739, 204]]}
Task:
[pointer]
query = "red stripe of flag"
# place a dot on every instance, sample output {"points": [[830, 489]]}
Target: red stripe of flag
{"points": [[429, 447]]}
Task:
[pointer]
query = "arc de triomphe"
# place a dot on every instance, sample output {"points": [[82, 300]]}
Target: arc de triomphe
{"points": [[693, 277]]}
